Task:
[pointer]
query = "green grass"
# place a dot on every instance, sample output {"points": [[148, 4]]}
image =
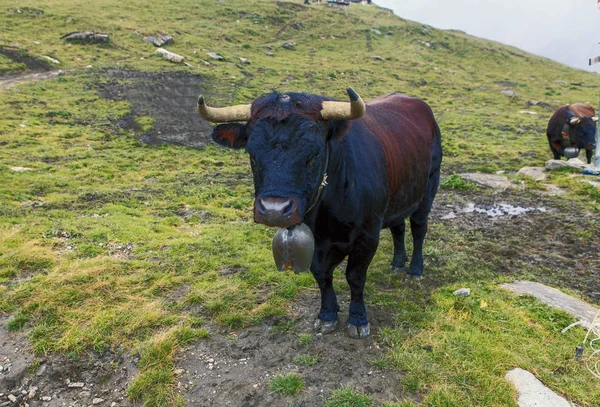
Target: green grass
{"points": [[305, 360], [288, 385], [94, 251], [305, 339], [348, 397], [455, 181]]}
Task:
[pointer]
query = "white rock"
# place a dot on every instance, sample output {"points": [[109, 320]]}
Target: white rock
{"points": [[77, 385], [555, 298], [12, 398], [97, 400], [532, 392], [489, 180], [20, 169], [54, 61], [537, 173], [462, 292], [46, 398]]}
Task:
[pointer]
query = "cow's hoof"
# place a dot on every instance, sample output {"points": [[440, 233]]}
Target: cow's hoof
{"points": [[325, 327], [397, 269], [358, 332]]}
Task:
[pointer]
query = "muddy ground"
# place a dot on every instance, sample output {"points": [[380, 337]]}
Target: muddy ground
{"points": [[234, 369]]}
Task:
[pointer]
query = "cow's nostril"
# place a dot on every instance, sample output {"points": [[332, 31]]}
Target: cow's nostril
{"points": [[261, 206], [289, 209]]}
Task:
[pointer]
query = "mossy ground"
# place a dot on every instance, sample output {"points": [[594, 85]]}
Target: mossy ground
{"points": [[105, 241]]}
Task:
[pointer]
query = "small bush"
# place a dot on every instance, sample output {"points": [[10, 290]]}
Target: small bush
{"points": [[455, 181], [17, 322], [305, 360], [348, 397], [288, 385]]}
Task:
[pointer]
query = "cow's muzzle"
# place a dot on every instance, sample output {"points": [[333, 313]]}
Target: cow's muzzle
{"points": [[279, 212]]}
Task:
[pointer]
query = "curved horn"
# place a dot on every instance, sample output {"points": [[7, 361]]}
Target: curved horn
{"points": [[595, 119], [575, 120], [344, 110], [237, 113]]}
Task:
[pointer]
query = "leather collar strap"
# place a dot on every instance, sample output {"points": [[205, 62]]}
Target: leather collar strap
{"points": [[315, 198]]}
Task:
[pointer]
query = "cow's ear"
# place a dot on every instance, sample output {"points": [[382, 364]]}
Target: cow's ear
{"points": [[232, 135]]}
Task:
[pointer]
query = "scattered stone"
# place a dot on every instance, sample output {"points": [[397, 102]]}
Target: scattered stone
{"points": [[159, 41], [32, 393], [170, 56], [555, 298], [244, 61], [76, 385], [498, 182], [20, 169], [573, 162], [290, 45], [270, 54], [12, 398], [536, 173], [510, 92], [89, 37], [216, 56], [54, 61], [553, 190], [462, 292], [527, 112], [506, 84], [532, 392], [375, 31], [97, 400], [32, 204], [178, 372], [543, 105], [376, 57], [559, 82], [46, 398]]}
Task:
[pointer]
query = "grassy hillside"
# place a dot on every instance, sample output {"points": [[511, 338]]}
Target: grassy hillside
{"points": [[105, 241]]}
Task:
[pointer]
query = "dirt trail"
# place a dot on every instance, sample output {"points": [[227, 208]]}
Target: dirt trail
{"points": [[57, 380], [10, 81], [235, 369]]}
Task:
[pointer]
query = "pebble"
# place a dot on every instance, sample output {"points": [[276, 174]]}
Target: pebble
{"points": [[76, 385], [12, 398], [46, 398], [462, 292], [97, 400]]}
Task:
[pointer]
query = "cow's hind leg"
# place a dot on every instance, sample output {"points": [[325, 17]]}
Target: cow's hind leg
{"points": [[418, 227], [400, 258], [356, 275], [324, 262]]}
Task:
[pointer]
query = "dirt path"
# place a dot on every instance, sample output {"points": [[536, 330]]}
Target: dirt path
{"points": [[10, 81], [57, 380]]}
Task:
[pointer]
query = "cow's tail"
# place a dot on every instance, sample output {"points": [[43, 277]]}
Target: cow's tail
{"points": [[436, 151]]}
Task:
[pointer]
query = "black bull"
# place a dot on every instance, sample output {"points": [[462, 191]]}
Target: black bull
{"points": [[572, 126], [381, 168]]}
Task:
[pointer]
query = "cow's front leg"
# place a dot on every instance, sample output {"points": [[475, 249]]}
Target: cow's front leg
{"points": [[356, 275], [325, 259]]}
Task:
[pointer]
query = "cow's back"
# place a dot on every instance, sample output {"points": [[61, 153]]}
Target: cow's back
{"points": [[557, 121], [406, 130], [581, 109]]}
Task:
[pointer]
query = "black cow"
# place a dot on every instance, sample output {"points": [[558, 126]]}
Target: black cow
{"points": [[572, 126], [381, 162]]}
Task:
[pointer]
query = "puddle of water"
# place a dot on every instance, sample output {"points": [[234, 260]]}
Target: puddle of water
{"points": [[497, 210]]}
